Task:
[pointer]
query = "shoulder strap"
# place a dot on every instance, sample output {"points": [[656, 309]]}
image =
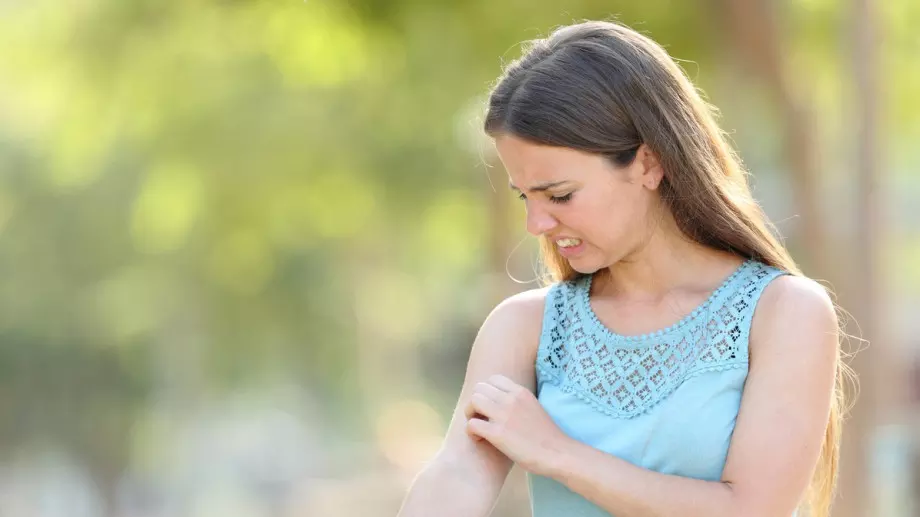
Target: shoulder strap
{"points": [[745, 300], [559, 318]]}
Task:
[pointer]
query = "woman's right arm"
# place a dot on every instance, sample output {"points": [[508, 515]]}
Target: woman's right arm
{"points": [[466, 476]]}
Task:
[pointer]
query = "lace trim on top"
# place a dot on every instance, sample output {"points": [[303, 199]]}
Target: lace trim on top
{"points": [[625, 376]]}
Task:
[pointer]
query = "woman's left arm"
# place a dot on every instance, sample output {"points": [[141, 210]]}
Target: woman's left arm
{"points": [[774, 448]]}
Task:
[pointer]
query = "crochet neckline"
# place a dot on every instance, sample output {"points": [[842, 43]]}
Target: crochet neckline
{"points": [[585, 305]]}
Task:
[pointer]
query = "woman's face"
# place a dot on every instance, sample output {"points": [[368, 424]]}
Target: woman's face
{"points": [[594, 212]]}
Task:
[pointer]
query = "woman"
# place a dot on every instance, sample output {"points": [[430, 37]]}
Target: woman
{"points": [[679, 363]]}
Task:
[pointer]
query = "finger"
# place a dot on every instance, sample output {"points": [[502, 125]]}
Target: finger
{"points": [[474, 416], [491, 392], [474, 437], [479, 429], [471, 412], [504, 384], [483, 405], [469, 409]]}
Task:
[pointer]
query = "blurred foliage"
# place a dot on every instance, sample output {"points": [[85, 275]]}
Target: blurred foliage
{"points": [[201, 195]]}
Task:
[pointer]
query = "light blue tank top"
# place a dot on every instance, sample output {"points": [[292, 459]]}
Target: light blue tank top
{"points": [[666, 401]]}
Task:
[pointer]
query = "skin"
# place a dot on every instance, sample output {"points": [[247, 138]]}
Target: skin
{"points": [[648, 277]]}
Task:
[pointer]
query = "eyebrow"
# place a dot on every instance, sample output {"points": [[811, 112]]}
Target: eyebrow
{"points": [[541, 187]]}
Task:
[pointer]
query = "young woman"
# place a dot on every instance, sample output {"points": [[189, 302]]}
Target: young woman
{"points": [[679, 364]]}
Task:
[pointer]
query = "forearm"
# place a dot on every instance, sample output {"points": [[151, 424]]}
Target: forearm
{"points": [[451, 490], [626, 490]]}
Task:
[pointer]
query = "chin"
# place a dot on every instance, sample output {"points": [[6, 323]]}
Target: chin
{"points": [[584, 268]]}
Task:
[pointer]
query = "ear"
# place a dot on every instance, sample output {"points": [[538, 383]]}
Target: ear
{"points": [[651, 171]]}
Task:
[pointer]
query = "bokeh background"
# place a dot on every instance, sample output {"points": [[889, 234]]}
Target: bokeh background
{"points": [[246, 245]]}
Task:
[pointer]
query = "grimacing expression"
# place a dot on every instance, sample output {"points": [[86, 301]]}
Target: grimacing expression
{"points": [[571, 194]]}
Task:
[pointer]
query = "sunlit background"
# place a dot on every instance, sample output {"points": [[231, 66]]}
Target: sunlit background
{"points": [[245, 246]]}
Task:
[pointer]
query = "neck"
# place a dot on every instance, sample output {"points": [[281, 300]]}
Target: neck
{"points": [[666, 261]]}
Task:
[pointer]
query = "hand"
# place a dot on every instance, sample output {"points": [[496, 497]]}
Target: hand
{"points": [[511, 418]]}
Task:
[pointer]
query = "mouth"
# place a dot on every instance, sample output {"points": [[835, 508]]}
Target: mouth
{"points": [[570, 247], [567, 242]]}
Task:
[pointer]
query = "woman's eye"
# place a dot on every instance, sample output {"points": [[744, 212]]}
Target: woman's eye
{"points": [[561, 199], [553, 199]]}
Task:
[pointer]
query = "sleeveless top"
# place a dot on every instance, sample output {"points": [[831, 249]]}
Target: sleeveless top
{"points": [[666, 401]]}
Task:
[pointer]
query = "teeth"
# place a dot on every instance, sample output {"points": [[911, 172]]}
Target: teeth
{"points": [[568, 243]]}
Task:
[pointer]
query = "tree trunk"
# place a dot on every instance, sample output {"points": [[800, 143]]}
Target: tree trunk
{"points": [[752, 27], [855, 496]]}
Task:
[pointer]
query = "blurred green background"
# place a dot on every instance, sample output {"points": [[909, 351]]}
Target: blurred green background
{"points": [[245, 246]]}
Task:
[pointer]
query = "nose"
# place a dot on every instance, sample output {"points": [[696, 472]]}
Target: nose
{"points": [[539, 221]]}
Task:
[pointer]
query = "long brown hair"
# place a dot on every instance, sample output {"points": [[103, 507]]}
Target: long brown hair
{"points": [[603, 88]]}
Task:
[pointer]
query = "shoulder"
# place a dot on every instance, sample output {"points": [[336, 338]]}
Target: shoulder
{"points": [[796, 300], [520, 312], [508, 340], [795, 314]]}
